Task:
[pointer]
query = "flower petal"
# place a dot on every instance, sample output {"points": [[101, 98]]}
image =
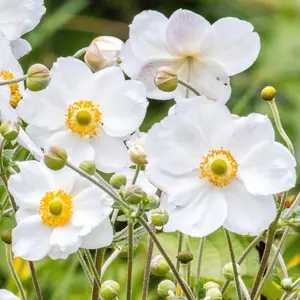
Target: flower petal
{"points": [[20, 47], [39, 135], [7, 295]]}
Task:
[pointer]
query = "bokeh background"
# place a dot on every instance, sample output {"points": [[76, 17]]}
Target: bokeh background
{"points": [[71, 25]]}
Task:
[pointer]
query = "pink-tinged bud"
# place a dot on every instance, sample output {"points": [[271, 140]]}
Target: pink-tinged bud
{"points": [[55, 158], [38, 77]]}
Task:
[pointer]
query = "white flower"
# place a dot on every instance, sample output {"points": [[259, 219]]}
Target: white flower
{"points": [[59, 212], [87, 114], [203, 54], [216, 170], [7, 295], [18, 17]]}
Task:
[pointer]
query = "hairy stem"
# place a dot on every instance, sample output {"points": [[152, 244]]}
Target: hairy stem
{"points": [[199, 261], [113, 256], [244, 288], [15, 80], [136, 174], [180, 242], [129, 260], [96, 268], [35, 281]]}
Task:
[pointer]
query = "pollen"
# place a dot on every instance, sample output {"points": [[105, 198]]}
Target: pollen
{"points": [[83, 117], [15, 94], [219, 167], [56, 208]]}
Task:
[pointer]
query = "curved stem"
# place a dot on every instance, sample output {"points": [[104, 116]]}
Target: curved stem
{"points": [[80, 52], [129, 260], [35, 281], [15, 80], [113, 256], [189, 87], [280, 260], [85, 267], [136, 174], [96, 268], [200, 255], [244, 288]]}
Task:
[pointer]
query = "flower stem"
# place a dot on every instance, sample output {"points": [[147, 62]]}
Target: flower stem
{"points": [[187, 85], [13, 272], [35, 281], [189, 266], [244, 288], [113, 256], [136, 174], [199, 261], [15, 80], [96, 268], [129, 260], [180, 242], [235, 272], [280, 260], [85, 267], [80, 52]]}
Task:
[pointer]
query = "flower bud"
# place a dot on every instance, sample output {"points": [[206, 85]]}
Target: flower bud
{"points": [[88, 167], [10, 130], [159, 217], [38, 77], [118, 180], [151, 202], [109, 290], [214, 294], [209, 285], [137, 154], [133, 194], [185, 256], [165, 287], [55, 158], [159, 266], [286, 284], [228, 271], [6, 237], [268, 93], [166, 79]]}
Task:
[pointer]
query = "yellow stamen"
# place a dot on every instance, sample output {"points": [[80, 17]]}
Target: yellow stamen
{"points": [[83, 117], [56, 208], [219, 167], [15, 94]]}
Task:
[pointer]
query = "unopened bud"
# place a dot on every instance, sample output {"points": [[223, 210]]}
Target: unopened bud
{"points": [[138, 155], [10, 130], [38, 77], [286, 284], [133, 194], [159, 266], [109, 290], [268, 93], [228, 271], [88, 167], [166, 79], [165, 288], [55, 158], [118, 180], [209, 285], [214, 294], [159, 217], [185, 256], [151, 202], [6, 237]]}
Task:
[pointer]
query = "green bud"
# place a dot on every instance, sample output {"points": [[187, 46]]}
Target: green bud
{"points": [[151, 202], [38, 77], [268, 93], [185, 256], [6, 237], [133, 194], [55, 158], [228, 271], [165, 287], [10, 130], [117, 181], [88, 167], [209, 285], [214, 294], [159, 217], [286, 284], [159, 266], [166, 79], [109, 290]]}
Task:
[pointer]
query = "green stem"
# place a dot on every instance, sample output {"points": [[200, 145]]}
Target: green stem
{"points": [[189, 87], [189, 265], [85, 267], [289, 211], [244, 288], [180, 242], [35, 281], [80, 52], [96, 270], [276, 250], [15, 80], [129, 260], [136, 174], [13, 272], [113, 256], [199, 261], [235, 271]]}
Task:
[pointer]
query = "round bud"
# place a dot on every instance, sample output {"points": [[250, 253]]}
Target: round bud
{"points": [[214, 294], [109, 290], [159, 217], [55, 158], [209, 285], [228, 271], [159, 266], [268, 93], [38, 77], [185, 256], [138, 155], [165, 287], [133, 194], [88, 167], [117, 181], [166, 79], [286, 284], [151, 202], [6, 237], [10, 130]]}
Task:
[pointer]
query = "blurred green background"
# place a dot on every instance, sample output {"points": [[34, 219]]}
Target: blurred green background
{"points": [[71, 25]]}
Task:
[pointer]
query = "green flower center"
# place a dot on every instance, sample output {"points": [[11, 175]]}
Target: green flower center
{"points": [[83, 117], [56, 207], [219, 167]]}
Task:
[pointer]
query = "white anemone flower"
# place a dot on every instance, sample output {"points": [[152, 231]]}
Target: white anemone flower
{"points": [[218, 171], [7, 295], [18, 17], [89, 114], [205, 55], [59, 212]]}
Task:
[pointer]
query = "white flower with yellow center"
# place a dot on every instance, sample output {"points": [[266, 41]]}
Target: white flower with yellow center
{"points": [[205, 55], [59, 212], [7, 295], [18, 17], [89, 114], [216, 170]]}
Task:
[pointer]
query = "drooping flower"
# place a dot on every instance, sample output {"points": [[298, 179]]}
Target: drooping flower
{"points": [[18, 17], [7, 295], [217, 170], [205, 55], [59, 212], [89, 114]]}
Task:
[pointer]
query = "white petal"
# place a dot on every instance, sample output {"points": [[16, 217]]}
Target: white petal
{"points": [[101, 236], [39, 135], [269, 168], [185, 32], [31, 239], [171, 226], [247, 213], [20, 47], [7, 295], [65, 179], [236, 45]]}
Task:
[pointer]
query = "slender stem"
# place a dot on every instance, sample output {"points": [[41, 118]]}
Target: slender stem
{"points": [[281, 261], [199, 261], [15, 80], [291, 297], [136, 174], [297, 282], [8, 211], [187, 85], [244, 288], [103, 182], [96, 270], [147, 267], [35, 281], [235, 271], [13, 272], [114, 216], [189, 266], [129, 260], [288, 212], [279, 126], [185, 287], [113, 256], [85, 267], [180, 242], [80, 52]]}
